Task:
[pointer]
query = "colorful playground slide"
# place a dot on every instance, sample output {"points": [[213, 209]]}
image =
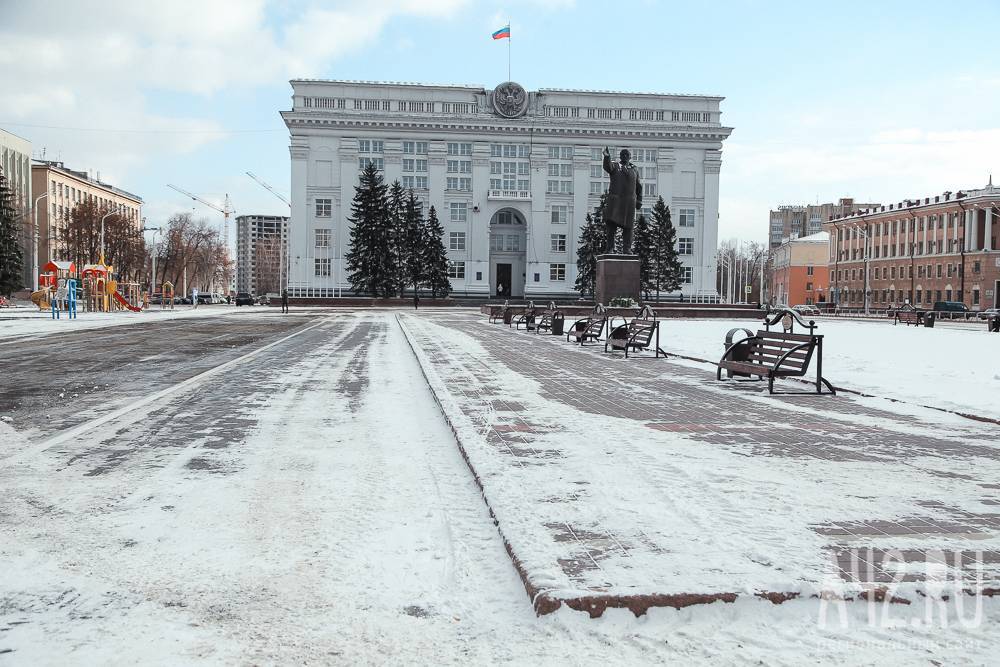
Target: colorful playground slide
{"points": [[41, 299], [125, 304]]}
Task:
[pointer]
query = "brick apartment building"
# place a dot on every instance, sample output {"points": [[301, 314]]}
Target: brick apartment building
{"points": [[799, 271], [941, 248]]}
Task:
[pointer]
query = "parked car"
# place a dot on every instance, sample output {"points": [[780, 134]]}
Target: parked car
{"points": [[988, 313], [806, 309], [951, 309], [243, 299], [264, 300]]}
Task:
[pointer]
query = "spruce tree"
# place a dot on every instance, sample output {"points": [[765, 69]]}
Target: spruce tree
{"points": [[11, 258], [369, 259], [666, 266], [592, 239], [397, 231], [414, 239], [642, 245], [435, 258]]}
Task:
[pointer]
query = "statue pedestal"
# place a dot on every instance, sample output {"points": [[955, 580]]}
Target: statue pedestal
{"points": [[617, 275]]}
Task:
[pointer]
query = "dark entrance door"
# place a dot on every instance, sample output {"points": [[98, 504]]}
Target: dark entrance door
{"points": [[503, 281]]}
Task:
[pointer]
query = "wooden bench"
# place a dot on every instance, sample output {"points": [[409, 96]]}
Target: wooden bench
{"points": [[589, 328], [773, 354], [637, 334], [497, 313], [908, 317], [545, 321], [526, 317]]}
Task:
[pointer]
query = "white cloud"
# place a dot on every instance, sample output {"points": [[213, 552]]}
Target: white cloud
{"points": [[94, 64]]}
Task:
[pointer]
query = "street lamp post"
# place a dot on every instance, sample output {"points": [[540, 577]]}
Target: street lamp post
{"points": [[867, 259], [155, 230], [34, 242]]}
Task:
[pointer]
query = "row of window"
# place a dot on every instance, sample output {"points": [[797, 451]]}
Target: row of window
{"points": [[323, 268], [559, 214], [519, 151], [923, 271], [76, 196], [631, 114], [407, 106]]}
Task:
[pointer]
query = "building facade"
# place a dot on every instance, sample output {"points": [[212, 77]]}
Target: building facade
{"points": [[799, 271], [261, 250], [511, 173], [66, 188], [15, 164], [941, 248], [789, 222]]}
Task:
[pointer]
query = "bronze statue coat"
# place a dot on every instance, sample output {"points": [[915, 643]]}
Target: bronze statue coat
{"points": [[624, 194]]}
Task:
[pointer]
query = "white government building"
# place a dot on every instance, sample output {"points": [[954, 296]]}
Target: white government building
{"points": [[512, 175]]}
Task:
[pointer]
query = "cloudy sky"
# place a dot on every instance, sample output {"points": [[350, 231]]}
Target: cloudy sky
{"points": [[875, 100]]}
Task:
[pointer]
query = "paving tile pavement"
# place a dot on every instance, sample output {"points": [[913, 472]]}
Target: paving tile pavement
{"points": [[817, 482]]}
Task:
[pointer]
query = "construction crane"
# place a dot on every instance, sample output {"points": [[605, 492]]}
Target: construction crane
{"points": [[270, 189], [226, 211]]}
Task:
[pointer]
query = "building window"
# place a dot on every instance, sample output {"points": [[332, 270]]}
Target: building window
{"points": [[558, 242], [413, 165], [415, 147], [459, 149], [685, 217], [414, 182], [809, 287], [809, 270], [687, 275], [456, 270], [596, 187], [322, 265], [456, 241], [459, 211], [459, 167], [557, 272], [379, 163], [324, 208], [685, 246], [560, 214], [323, 237], [460, 184], [369, 146]]}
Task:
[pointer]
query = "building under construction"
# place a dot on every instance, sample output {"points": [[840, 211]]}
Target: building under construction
{"points": [[261, 252]]}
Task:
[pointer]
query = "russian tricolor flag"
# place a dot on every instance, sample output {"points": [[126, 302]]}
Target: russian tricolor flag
{"points": [[502, 33]]}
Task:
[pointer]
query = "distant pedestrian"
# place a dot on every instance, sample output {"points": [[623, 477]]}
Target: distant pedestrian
{"points": [[194, 298], [500, 290], [284, 300]]}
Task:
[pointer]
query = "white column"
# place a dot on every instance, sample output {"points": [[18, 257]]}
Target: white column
{"points": [[988, 241], [710, 224], [967, 240]]}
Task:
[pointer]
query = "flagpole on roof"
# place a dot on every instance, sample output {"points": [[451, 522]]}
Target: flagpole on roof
{"points": [[508, 49]]}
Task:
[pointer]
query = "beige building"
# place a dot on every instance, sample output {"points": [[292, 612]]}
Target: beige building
{"points": [[790, 222], [66, 188], [15, 163]]}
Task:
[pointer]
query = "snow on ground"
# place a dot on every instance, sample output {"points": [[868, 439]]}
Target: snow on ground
{"points": [[955, 367], [343, 527]]}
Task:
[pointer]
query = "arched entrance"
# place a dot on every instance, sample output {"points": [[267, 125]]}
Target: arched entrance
{"points": [[508, 253]]}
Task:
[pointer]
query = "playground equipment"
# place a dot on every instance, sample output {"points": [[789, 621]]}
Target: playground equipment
{"points": [[65, 299], [41, 298], [167, 296]]}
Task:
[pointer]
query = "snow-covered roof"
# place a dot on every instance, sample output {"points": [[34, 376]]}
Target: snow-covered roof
{"points": [[818, 237]]}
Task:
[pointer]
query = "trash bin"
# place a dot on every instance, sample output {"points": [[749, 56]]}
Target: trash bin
{"points": [[929, 320], [740, 353], [558, 322], [508, 315]]}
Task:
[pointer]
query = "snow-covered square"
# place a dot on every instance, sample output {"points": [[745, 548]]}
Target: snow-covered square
{"points": [[376, 486]]}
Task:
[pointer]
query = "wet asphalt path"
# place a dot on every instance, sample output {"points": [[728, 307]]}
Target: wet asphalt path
{"points": [[52, 383]]}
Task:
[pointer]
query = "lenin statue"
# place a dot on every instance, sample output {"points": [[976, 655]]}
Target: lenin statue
{"points": [[623, 200]]}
